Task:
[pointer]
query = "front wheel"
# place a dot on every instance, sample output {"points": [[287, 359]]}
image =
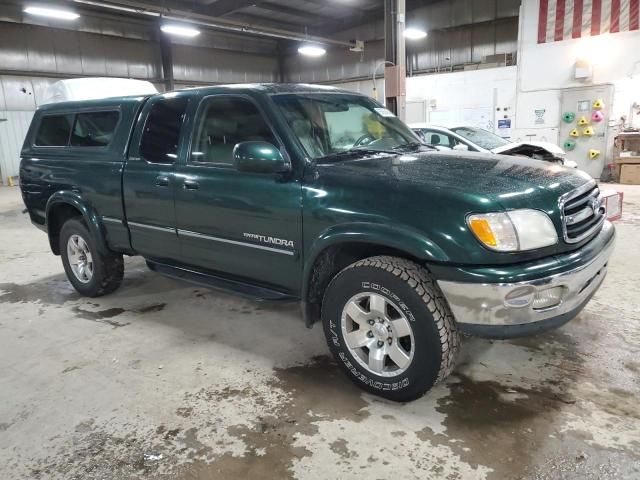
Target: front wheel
{"points": [[389, 327], [91, 273]]}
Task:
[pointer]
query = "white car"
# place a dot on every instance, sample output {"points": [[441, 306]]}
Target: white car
{"points": [[474, 139]]}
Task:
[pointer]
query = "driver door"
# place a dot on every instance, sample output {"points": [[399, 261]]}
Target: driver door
{"points": [[242, 224]]}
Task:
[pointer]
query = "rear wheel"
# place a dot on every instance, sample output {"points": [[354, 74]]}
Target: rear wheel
{"points": [[90, 272], [389, 327]]}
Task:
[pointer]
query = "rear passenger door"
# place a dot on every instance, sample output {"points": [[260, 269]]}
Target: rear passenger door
{"points": [[244, 224], [149, 179]]}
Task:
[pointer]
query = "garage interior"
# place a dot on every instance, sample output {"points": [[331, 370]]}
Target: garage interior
{"points": [[166, 380]]}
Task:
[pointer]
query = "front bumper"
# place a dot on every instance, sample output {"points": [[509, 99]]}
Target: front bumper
{"points": [[504, 310]]}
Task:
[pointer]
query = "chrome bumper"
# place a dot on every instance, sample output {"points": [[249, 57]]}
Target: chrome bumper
{"points": [[512, 304]]}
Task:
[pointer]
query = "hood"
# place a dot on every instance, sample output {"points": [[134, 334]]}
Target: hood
{"points": [[485, 178], [517, 147]]}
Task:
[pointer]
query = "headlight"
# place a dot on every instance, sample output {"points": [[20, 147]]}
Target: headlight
{"points": [[513, 231]]}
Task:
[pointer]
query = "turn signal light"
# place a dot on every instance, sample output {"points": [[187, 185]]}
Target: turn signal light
{"points": [[482, 230]]}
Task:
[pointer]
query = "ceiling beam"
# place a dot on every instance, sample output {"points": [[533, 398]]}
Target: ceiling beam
{"points": [[310, 17], [225, 7], [148, 7], [376, 15], [218, 8], [373, 15], [260, 20], [339, 7]]}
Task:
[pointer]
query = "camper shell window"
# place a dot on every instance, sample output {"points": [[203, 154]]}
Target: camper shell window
{"points": [[82, 129], [54, 131], [94, 129]]}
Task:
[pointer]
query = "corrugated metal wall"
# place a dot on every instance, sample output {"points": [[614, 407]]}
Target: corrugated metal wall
{"points": [[21, 92], [205, 65], [128, 27], [337, 64], [34, 56], [65, 53], [460, 32], [19, 97], [30, 48], [13, 126]]}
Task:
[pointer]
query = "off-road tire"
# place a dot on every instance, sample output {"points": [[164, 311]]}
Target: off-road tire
{"points": [[434, 329], [108, 269]]}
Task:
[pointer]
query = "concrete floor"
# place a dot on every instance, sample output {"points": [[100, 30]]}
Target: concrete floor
{"points": [[164, 380]]}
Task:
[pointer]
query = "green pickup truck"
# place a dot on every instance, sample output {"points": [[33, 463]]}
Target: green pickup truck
{"points": [[320, 196]]}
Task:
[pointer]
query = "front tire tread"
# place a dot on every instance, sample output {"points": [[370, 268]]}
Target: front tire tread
{"points": [[419, 279]]}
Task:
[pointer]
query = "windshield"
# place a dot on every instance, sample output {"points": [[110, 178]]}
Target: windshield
{"points": [[483, 138], [329, 124]]}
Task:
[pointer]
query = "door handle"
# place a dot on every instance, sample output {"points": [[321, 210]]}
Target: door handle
{"points": [[162, 181], [190, 185]]}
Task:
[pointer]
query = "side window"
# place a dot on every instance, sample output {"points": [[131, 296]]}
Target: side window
{"points": [[436, 138], [452, 141], [54, 131], [224, 122], [94, 129], [161, 133]]}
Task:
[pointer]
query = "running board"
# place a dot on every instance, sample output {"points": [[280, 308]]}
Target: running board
{"points": [[224, 284]]}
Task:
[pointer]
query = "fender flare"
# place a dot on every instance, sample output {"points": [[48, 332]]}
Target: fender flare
{"points": [[90, 216], [406, 239]]}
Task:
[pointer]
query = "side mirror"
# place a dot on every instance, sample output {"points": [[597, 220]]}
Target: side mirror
{"points": [[461, 147], [259, 157]]}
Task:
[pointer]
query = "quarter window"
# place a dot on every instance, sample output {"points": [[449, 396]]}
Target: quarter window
{"points": [[94, 129], [222, 124], [54, 131], [161, 133]]}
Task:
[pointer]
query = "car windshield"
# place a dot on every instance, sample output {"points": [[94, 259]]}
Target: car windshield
{"points": [[332, 125], [483, 138]]}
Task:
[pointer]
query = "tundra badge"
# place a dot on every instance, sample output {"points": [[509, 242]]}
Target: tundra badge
{"points": [[271, 240]]}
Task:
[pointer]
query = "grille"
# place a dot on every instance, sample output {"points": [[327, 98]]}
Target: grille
{"points": [[583, 213]]}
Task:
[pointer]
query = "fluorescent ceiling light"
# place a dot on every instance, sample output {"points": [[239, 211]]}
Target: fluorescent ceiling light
{"points": [[414, 33], [180, 30], [311, 50], [52, 13]]}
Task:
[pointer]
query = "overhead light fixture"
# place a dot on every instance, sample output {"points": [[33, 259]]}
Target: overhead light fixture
{"points": [[52, 13], [414, 33], [180, 30], [311, 50]]}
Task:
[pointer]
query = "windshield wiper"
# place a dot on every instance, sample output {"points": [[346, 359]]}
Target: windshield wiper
{"points": [[353, 152], [364, 148], [413, 146]]}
